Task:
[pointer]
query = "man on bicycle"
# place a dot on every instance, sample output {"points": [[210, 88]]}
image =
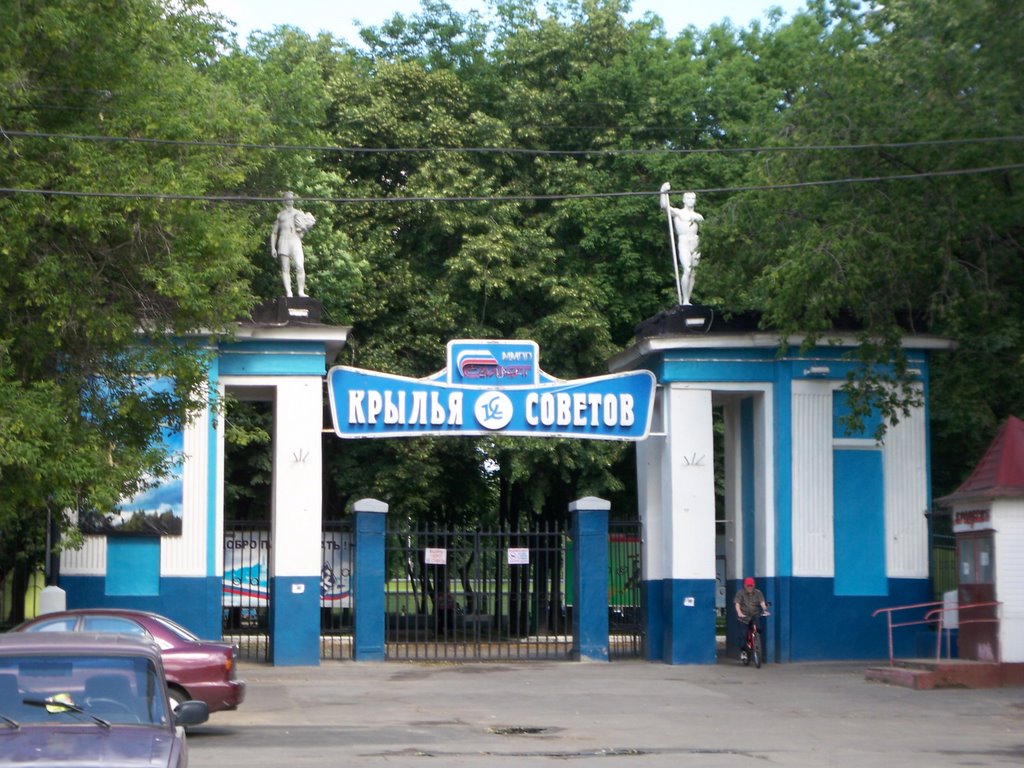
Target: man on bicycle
{"points": [[749, 604]]}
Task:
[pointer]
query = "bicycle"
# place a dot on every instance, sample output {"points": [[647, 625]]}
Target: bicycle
{"points": [[752, 648]]}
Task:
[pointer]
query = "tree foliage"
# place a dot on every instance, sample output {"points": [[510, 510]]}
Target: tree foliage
{"points": [[82, 274], [897, 86], [453, 140]]}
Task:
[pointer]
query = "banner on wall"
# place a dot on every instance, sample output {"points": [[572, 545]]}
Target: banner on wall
{"points": [[491, 387], [246, 571], [156, 509]]}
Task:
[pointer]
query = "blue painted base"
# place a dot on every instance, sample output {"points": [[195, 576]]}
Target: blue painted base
{"points": [[810, 623], [368, 588], [295, 620], [195, 603], [590, 584], [681, 621], [650, 595]]}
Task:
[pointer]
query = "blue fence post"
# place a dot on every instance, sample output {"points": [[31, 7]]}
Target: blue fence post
{"points": [[590, 578], [368, 580]]}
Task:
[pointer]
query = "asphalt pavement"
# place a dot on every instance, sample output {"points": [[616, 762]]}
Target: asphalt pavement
{"points": [[603, 715]]}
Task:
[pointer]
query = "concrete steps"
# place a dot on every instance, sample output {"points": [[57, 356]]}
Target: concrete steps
{"points": [[925, 674], [915, 679]]}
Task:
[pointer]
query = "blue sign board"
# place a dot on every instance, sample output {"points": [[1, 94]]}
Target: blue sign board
{"points": [[491, 388]]}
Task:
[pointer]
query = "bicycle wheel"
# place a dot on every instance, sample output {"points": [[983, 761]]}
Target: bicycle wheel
{"points": [[757, 651]]}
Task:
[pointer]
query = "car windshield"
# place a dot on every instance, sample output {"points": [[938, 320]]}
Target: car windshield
{"points": [[64, 689]]}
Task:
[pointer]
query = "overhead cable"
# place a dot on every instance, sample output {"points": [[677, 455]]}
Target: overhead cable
{"points": [[502, 198], [502, 150]]}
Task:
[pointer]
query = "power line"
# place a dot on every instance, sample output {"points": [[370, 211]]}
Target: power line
{"points": [[506, 198], [500, 150]]}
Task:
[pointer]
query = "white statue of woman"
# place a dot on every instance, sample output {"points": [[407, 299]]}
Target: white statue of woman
{"points": [[286, 243], [684, 226]]}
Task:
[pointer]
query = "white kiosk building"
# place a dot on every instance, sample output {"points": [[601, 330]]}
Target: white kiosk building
{"points": [[988, 520]]}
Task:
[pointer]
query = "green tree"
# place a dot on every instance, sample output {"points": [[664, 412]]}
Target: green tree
{"points": [[472, 269], [911, 88], [84, 273], [440, 108]]}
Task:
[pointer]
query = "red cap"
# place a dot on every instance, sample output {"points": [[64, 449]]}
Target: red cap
{"points": [[748, 582]]}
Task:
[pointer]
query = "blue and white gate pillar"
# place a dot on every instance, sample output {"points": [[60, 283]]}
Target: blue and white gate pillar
{"points": [[295, 555], [368, 580], [819, 513], [590, 578], [677, 509]]}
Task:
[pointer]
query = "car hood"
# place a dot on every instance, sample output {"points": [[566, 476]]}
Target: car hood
{"points": [[130, 747]]}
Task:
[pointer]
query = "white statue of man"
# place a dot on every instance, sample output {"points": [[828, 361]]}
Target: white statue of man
{"points": [[286, 243], [684, 224]]}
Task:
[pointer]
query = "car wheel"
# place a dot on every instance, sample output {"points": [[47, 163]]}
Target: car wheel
{"points": [[177, 696]]}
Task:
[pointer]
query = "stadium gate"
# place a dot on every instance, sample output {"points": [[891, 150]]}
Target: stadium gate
{"points": [[451, 595], [500, 594]]}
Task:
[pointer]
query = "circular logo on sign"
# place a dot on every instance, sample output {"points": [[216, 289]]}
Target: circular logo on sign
{"points": [[493, 410]]}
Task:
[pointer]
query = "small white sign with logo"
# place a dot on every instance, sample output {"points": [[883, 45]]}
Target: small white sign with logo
{"points": [[434, 556], [518, 556]]}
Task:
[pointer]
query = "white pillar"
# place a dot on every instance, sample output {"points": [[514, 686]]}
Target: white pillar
{"points": [[688, 482], [297, 496]]}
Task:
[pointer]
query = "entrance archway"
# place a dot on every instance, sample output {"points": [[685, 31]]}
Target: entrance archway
{"points": [[796, 483], [817, 515], [282, 364]]}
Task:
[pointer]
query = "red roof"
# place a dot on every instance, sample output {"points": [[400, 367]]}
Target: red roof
{"points": [[1001, 470]]}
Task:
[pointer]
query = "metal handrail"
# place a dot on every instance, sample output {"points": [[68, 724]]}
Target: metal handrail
{"points": [[939, 613], [888, 617], [932, 616]]}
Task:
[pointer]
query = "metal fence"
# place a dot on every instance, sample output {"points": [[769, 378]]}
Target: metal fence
{"points": [[500, 595], [477, 595], [450, 595], [245, 597], [944, 576], [627, 637], [337, 547]]}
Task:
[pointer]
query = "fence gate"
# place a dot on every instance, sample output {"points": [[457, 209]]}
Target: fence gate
{"points": [[498, 595], [336, 546], [625, 612], [449, 595], [246, 597], [244, 594]]}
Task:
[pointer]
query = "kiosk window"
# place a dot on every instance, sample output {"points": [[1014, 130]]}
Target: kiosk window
{"points": [[976, 564]]}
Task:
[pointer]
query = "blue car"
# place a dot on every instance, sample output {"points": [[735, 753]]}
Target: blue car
{"points": [[70, 700]]}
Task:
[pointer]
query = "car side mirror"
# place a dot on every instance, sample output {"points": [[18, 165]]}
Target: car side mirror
{"points": [[191, 713]]}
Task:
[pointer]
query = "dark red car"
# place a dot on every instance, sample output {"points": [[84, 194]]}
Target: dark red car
{"points": [[196, 669]]}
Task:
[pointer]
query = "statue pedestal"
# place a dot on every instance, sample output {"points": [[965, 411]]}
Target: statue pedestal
{"points": [[684, 318], [287, 309]]}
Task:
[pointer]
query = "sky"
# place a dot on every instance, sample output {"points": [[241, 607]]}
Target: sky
{"points": [[338, 16]]}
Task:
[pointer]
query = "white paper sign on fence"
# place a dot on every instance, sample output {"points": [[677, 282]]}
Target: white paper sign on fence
{"points": [[434, 556], [518, 556]]}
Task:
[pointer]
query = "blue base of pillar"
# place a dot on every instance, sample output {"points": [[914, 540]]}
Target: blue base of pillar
{"points": [[295, 620], [590, 579], [369, 586], [681, 621]]}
